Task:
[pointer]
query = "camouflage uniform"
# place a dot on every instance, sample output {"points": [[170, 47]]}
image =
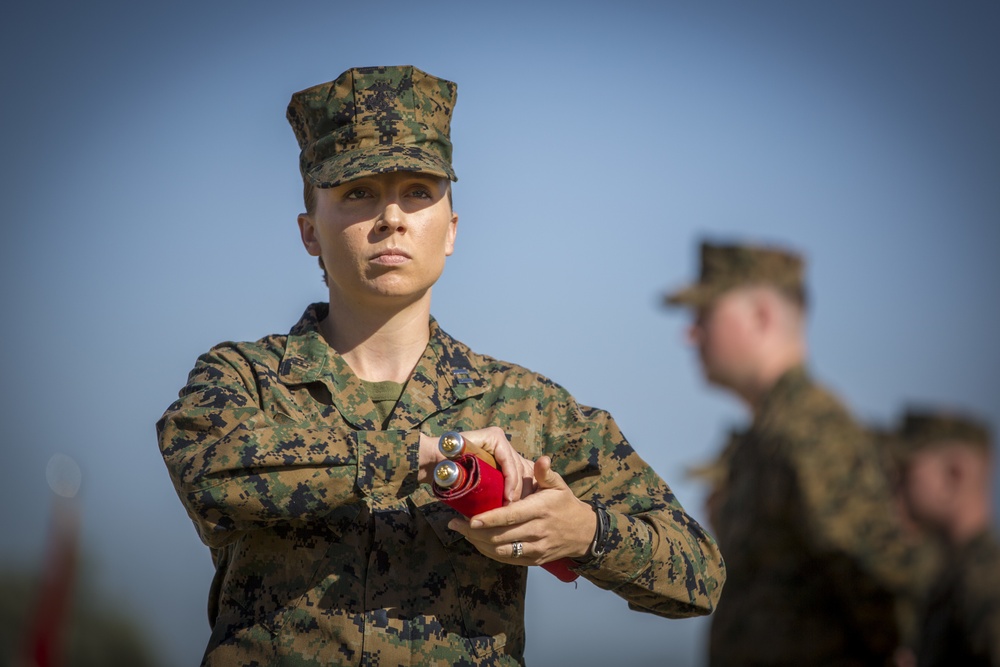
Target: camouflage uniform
{"points": [[815, 555], [329, 552], [960, 620], [960, 624]]}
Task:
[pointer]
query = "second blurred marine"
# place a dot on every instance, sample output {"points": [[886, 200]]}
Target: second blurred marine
{"points": [[816, 555], [946, 471]]}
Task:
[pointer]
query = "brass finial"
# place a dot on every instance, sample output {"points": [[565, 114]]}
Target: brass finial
{"points": [[451, 444]]}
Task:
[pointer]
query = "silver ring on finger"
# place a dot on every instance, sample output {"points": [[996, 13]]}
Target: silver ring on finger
{"points": [[516, 549]]}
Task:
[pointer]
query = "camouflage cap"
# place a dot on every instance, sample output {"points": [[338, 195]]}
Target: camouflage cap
{"points": [[921, 428], [725, 266], [372, 120]]}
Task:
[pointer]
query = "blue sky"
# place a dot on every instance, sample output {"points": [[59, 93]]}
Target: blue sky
{"points": [[150, 191]]}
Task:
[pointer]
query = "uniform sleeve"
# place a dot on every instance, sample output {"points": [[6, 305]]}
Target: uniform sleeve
{"points": [[240, 462], [658, 558]]}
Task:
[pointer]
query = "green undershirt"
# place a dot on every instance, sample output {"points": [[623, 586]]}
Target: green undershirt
{"points": [[384, 395]]}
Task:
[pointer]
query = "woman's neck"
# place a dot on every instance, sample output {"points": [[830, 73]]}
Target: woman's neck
{"points": [[379, 345]]}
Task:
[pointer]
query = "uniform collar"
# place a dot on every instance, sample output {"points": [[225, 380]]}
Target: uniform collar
{"points": [[445, 374]]}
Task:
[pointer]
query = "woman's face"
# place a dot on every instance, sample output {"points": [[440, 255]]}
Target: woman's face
{"points": [[382, 237]]}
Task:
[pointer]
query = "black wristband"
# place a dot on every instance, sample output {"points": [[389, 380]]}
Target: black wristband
{"points": [[601, 533]]}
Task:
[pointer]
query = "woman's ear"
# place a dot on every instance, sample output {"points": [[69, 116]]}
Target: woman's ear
{"points": [[307, 230]]}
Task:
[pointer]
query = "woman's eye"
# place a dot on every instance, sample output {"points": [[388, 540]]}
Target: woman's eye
{"points": [[421, 193], [356, 193]]}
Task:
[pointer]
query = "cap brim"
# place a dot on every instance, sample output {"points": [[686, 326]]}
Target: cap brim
{"points": [[693, 296], [351, 165]]}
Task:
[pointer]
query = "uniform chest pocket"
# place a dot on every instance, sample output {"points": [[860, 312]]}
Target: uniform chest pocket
{"points": [[307, 428]]}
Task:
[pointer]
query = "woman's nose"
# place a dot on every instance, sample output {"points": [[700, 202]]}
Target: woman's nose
{"points": [[392, 219]]}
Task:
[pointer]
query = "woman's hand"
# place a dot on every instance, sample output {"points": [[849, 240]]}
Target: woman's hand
{"points": [[549, 524]]}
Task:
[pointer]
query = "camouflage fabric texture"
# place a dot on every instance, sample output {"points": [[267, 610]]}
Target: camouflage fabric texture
{"points": [[961, 620], [816, 558], [372, 120], [328, 551], [725, 266]]}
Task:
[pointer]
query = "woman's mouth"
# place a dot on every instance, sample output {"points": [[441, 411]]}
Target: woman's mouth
{"points": [[391, 257]]}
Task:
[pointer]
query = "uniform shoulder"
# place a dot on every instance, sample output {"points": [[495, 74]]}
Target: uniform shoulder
{"points": [[302, 340], [811, 398], [492, 366], [805, 411], [500, 372], [271, 347]]}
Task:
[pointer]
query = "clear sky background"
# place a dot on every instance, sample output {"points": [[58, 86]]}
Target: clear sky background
{"points": [[150, 188]]}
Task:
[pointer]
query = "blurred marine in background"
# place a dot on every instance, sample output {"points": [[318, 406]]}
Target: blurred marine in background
{"points": [[946, 469], [800, 503]]}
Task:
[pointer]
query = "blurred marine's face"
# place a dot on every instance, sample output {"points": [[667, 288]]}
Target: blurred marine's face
{"points": [[926, 489], [723, 332]]}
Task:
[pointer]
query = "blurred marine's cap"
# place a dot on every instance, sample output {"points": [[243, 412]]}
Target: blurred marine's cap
{"points": [[922, 428], [725, 266], [373, 120]]}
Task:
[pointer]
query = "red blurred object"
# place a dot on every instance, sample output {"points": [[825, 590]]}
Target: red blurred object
{"points": [[472, 487], [45, 637]]}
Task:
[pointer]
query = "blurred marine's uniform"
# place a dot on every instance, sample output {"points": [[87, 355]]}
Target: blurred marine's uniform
{"points": [[814, 556], [961, 619]]}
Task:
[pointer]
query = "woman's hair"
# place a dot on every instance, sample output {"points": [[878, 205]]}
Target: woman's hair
{"points": [[309, 195]]}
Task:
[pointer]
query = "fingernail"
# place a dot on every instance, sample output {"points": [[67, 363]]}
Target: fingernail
{"points": [[476, 523]]}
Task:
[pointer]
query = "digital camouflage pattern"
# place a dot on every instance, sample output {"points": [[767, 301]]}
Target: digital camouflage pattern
{"points": [[961, 622], [725, 266], [372, 120], [816, 557], [329, 552]]}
